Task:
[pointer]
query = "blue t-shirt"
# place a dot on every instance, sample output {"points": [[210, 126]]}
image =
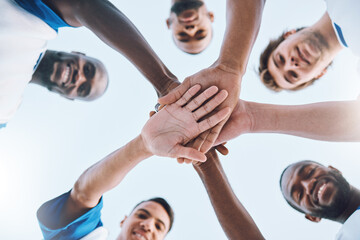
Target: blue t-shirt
{"points": [[42, 11], [49, 214]]}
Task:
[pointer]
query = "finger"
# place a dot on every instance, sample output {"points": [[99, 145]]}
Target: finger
{"points": [[188, 152], [199, 100], [175, 94], [197, 142], [188, 161], [180, 160], [209, 141], [152, 113], [213, 120], [222, 149], [211, 105], [161, 107], [188, 95]]}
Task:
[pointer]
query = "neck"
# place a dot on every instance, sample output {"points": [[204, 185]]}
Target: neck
{"points": [[36, 79], [354, 203], [325, 27]]}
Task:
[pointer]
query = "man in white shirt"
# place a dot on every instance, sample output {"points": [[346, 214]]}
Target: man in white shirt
{"points": [[27, 26], [322, 192], [300, 56]]}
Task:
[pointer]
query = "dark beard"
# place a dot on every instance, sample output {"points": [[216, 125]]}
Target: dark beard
{"points": [[46, 68], [180, 7], [341, 200]]}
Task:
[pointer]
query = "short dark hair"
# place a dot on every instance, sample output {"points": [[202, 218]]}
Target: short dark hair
{"points": [[164, 204], [263, 70]]}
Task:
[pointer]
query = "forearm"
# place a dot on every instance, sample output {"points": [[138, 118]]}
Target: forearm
{"points": [[108, 173], [243, 24], [233, 217], [116, 30], [327, 121]]}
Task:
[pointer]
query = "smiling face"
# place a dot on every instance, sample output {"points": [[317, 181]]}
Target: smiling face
{"points": [[190, 23], [148, 221], [72, 75], [300, 58], [316, 190]]}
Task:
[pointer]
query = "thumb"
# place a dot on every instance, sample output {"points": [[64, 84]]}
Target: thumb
{"points": [[175, 94], [189, 153]]}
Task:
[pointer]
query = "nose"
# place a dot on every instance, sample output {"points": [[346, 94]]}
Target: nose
{"points": [[190, 30], [308, 185], [291, 64], [148, 225]]}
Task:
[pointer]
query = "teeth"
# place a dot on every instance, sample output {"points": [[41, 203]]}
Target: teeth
{"points": [[66, 74], [320, 190], [139, 236]]}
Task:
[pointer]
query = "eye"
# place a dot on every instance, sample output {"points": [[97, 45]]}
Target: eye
{"points": [[142, 216], [84, 89], [182, 34], [311, 172], [293, 74], [282, 59], [158, 227], [300, 195]]}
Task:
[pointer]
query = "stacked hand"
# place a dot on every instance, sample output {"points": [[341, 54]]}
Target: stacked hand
{"points": [[166, 133], [224, 79]]}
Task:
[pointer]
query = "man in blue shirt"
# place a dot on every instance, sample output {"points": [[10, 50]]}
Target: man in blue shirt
{"points": [[76, 214]]}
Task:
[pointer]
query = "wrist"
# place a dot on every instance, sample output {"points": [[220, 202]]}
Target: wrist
{"points": [[230, 66], [142, 148], [168, 85]]}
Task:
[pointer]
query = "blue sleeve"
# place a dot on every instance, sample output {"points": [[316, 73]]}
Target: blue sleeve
{"points": [[42, 11], [49, 214], [2, 125]]}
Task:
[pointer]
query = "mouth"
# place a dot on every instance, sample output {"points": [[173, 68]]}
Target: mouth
{"points": [[140, 235], [321, 194], [303, 55], [66, 77]]}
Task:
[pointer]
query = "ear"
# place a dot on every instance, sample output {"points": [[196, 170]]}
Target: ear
{"points": [[211, 16], [312, 218], [122, 221], [289, 33], [335, 169], [80, 53], [321, 74], [168, 23]]}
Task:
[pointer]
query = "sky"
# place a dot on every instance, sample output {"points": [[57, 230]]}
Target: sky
{"points": [[51, 140]]}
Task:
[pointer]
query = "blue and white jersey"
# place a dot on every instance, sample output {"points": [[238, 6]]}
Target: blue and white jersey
{"points": [[351, 228], [25, 28], [345, 15], [86, 227]]}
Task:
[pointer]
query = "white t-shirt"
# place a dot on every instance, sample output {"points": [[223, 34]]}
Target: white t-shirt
{"points": [[346, 14], [99, 233], [351, 228], [23, 37]]}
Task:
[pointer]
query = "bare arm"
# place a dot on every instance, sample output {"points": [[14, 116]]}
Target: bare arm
{"points": [[102, 177], [243, 23], [326, 121], [162, 135], [233, 217], [116, 30]]}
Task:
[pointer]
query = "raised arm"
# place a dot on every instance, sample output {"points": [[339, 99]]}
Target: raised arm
{"points": [[243, 23], [163, 135], [116, 30], [232, 215], [326, 121]]}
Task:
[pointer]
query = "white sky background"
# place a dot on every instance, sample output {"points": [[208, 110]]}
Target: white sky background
{"points": [[51, 140]]}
